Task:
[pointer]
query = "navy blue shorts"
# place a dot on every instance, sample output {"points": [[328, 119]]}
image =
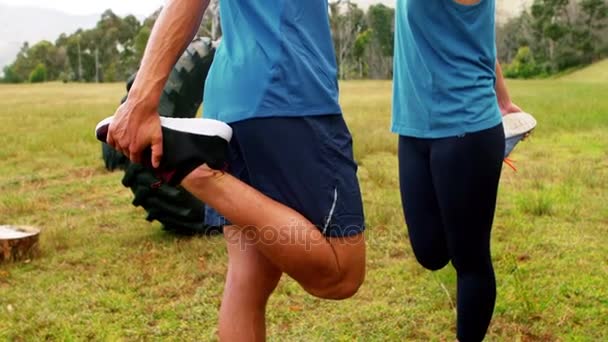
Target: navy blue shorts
{"points": [[305, 163]]}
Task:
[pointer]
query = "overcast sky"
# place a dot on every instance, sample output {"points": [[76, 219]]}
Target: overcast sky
{"points": [[137, 7], [81, 7]]}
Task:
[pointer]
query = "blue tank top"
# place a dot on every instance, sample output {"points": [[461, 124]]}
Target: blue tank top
{"points": [[444, 73], [276, 58]]}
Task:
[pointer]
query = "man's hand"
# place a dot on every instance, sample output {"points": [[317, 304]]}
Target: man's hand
{"points": [[136, 124], [134, 128]]}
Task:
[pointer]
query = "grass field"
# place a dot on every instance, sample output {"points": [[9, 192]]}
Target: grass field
{"points": [[106, 274], [597, 72]]}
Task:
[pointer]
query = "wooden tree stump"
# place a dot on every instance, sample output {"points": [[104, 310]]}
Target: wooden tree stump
{"points": [[18, 243]]}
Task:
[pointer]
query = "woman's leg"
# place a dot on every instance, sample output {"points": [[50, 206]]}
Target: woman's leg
{"points": [[420, 207], [466, 172]]}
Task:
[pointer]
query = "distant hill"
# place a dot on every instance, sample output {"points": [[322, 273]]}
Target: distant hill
{"points": [[597, 72], [20, 24]]}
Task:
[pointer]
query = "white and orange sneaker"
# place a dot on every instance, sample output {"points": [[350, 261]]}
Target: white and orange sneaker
{"points": [[517, 126]]}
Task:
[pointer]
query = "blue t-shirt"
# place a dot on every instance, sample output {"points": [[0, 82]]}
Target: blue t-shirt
{"points": [[444, 75], [276, 58]]}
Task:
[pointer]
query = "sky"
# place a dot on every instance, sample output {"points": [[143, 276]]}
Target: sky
{"points": [[85, 7], [137, 7]]}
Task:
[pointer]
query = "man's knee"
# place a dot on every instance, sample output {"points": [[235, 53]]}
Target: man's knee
{"points": [[337, 290], [343, 281], [341, 284]]}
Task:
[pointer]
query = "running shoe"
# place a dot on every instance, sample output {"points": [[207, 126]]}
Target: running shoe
{"points": [[187, 144]]}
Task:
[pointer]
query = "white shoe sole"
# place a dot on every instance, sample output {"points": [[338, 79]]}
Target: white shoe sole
{"points": [[517, 124], [208, 127]]}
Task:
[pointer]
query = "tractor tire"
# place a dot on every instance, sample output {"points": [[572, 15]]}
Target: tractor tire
{"points": [[181, 98], [183, 92]]}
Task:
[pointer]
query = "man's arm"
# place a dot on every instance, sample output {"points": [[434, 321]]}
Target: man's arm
{"points": [[136, 123], [502, 94]]}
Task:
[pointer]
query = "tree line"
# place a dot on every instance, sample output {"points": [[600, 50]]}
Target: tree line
{"points": [[550, 37], [554, 36], [112, 50], [109, 52]]}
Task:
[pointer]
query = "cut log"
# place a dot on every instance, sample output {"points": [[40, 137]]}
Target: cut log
{"points": [[18, 243]]}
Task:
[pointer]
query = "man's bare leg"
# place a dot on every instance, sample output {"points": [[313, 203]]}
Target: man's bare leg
{"points": [[325, 267], [250, 280]]}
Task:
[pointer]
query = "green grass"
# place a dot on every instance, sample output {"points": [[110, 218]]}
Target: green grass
{"points": [[597, 72], [106, 274]]}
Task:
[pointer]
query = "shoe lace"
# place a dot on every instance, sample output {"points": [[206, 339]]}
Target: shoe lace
{"points": [[510, 163]]}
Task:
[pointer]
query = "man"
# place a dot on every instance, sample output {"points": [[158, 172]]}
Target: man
{"points": [[291, 192], [448, 98]]}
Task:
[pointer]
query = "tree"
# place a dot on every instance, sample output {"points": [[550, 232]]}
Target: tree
{"points": [[359, 49], [560, 34], [47, 54], [38, 75], [552, 30], [380, 20], [141, 40], [593, 20], [347, 21], [512, 35], [10, 76], [113, 43], [523, 65], [22, 66]]}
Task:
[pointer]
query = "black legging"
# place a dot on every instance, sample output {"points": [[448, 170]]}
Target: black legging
{"points": [[448, 190]]}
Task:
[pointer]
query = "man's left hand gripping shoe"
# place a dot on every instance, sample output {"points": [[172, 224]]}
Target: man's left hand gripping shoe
{"points": [[187, 144]]}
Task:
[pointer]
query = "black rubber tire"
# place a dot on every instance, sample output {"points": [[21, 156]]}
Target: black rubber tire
{"points": [[112, 159], [181, 97], [183, 92]]}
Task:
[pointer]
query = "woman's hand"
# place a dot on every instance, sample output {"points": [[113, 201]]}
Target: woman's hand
{"points": [[509, 108]]}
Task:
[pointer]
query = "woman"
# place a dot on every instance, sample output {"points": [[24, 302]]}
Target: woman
{"points": [[448, 98]]}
